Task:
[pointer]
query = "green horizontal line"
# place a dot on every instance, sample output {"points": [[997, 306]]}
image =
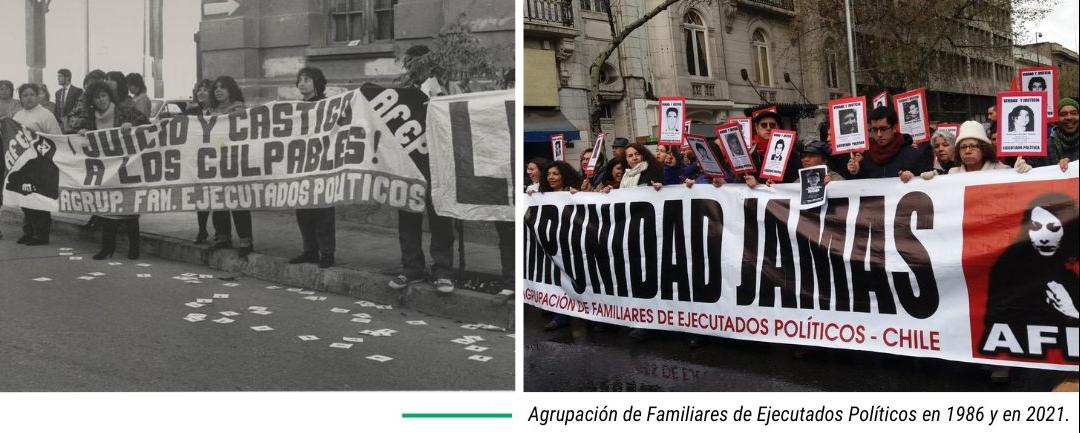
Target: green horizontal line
{"points": [[456, 415]]}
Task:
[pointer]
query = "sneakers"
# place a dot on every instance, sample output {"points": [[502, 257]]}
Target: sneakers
{"points": [[401, 282], [444, 285]]}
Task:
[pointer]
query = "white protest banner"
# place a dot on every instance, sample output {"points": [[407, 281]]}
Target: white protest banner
{"points": [[880, 100], [776, 156], [1020, 124], [746, 126], [952, 268], [914, 120], [598, 149], [735, 151], [710, 164], [471, 136], [281, 155], [558, 147], [1042, 79], [672, 114], [847, 125]]}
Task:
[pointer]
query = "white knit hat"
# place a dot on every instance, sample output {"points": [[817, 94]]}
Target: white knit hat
{"points": [[972, 129]]}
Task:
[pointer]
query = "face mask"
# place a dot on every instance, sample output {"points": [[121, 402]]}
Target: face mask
{"points": [[1045, 232]]}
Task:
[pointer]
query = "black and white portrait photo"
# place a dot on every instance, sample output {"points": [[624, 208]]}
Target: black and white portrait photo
{"points": [[812, 184], [911, 111], [849, 122], [1021, 118], [1042, 79], [847, 125], [778, 151], [1021, 127], [671, 121]]}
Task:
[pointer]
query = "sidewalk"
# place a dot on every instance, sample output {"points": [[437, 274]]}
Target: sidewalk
{"points": [[367, 258]]}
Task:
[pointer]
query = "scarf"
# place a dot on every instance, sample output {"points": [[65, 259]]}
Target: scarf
{"points": [[883, 153], [760, 145], [106, 119], [1065, 143], [631, 176]]}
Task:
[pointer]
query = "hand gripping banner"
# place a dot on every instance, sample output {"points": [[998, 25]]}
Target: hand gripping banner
{"points": [[282, 155], [977, 267]]}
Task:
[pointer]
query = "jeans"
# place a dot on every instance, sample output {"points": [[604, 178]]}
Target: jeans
{"points": [[223, 227], [317, 231], [410, 237]]}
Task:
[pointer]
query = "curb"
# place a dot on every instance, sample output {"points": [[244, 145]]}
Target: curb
{"points": [[463, 305]]}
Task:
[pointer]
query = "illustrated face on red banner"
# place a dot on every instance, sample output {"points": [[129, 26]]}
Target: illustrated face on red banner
{"points": [[914, 120], [705, 155], [598, 148], [558, 148], [734, 149], [776, 156], [672, 114], [881, 100], [1042, 79], [1021, 127], [1024, 300], [847, 125]]}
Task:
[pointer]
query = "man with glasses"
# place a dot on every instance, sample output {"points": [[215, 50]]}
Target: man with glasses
{"points": [[891, 153], [763, 124]]}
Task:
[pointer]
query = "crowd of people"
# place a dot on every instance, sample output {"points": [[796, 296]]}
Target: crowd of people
{"points": [[891, 154]]}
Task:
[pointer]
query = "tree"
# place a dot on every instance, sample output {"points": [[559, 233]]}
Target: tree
{"points": [[455, 56], [618, 35], [912, 43]]}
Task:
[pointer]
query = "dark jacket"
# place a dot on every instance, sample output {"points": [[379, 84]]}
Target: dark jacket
{"points": [[915, 160], [70, 100], [124, 114]]}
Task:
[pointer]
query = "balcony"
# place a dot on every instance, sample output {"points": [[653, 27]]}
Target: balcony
{"points": [[781, 7], [551, 17]]}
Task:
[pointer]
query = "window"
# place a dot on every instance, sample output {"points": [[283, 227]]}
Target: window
{"points": [[697, 61], [362, 20], [760, 46], [594, 5], [832, 77]]}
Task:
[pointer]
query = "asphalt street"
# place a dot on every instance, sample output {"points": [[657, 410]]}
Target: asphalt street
{"points": [[580, 358], [70, 323]]}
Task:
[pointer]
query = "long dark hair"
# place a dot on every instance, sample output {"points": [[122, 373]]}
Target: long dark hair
{"points": [[209, 85], [1063, 208], [542, 165], [135, 81], [1015, 113], [655, 170], [121, 84], [229, 84], [95, 89], [570, 177], [317, 77]]}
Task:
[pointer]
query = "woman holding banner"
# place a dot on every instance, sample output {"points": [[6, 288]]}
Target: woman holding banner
{"points": [[227, 100], [559, 178], [534, 170], [975, 152], [204, 106], [316, 225], [107, 113]]}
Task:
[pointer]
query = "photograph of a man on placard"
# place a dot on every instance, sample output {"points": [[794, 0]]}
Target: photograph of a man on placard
{"points": [[911, 111], [778, 151], [1036, 84], [849, 122], [671, 120], [738, 151]]}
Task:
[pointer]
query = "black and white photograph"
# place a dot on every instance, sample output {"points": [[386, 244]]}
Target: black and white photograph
{"points": [[913, 118], [1021, 127], [671, 121], [705, 155], [731, 144], [746, 126], [777, 154], [255, 195], [881, 100], [812, 186], [847, 125], [558, 147], [1041, 79]]}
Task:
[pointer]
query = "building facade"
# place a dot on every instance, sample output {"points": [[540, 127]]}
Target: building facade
{"points": [[262, 43], [1050, 53]]}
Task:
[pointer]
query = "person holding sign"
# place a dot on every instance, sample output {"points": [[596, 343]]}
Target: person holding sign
{"points": [[108, 113], [975, 152], [1063, 138], [39, 175], [816, 153], [891, 153], [203, 106], [944, 143], [228, 99], [764, 123], [317, 228]]}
